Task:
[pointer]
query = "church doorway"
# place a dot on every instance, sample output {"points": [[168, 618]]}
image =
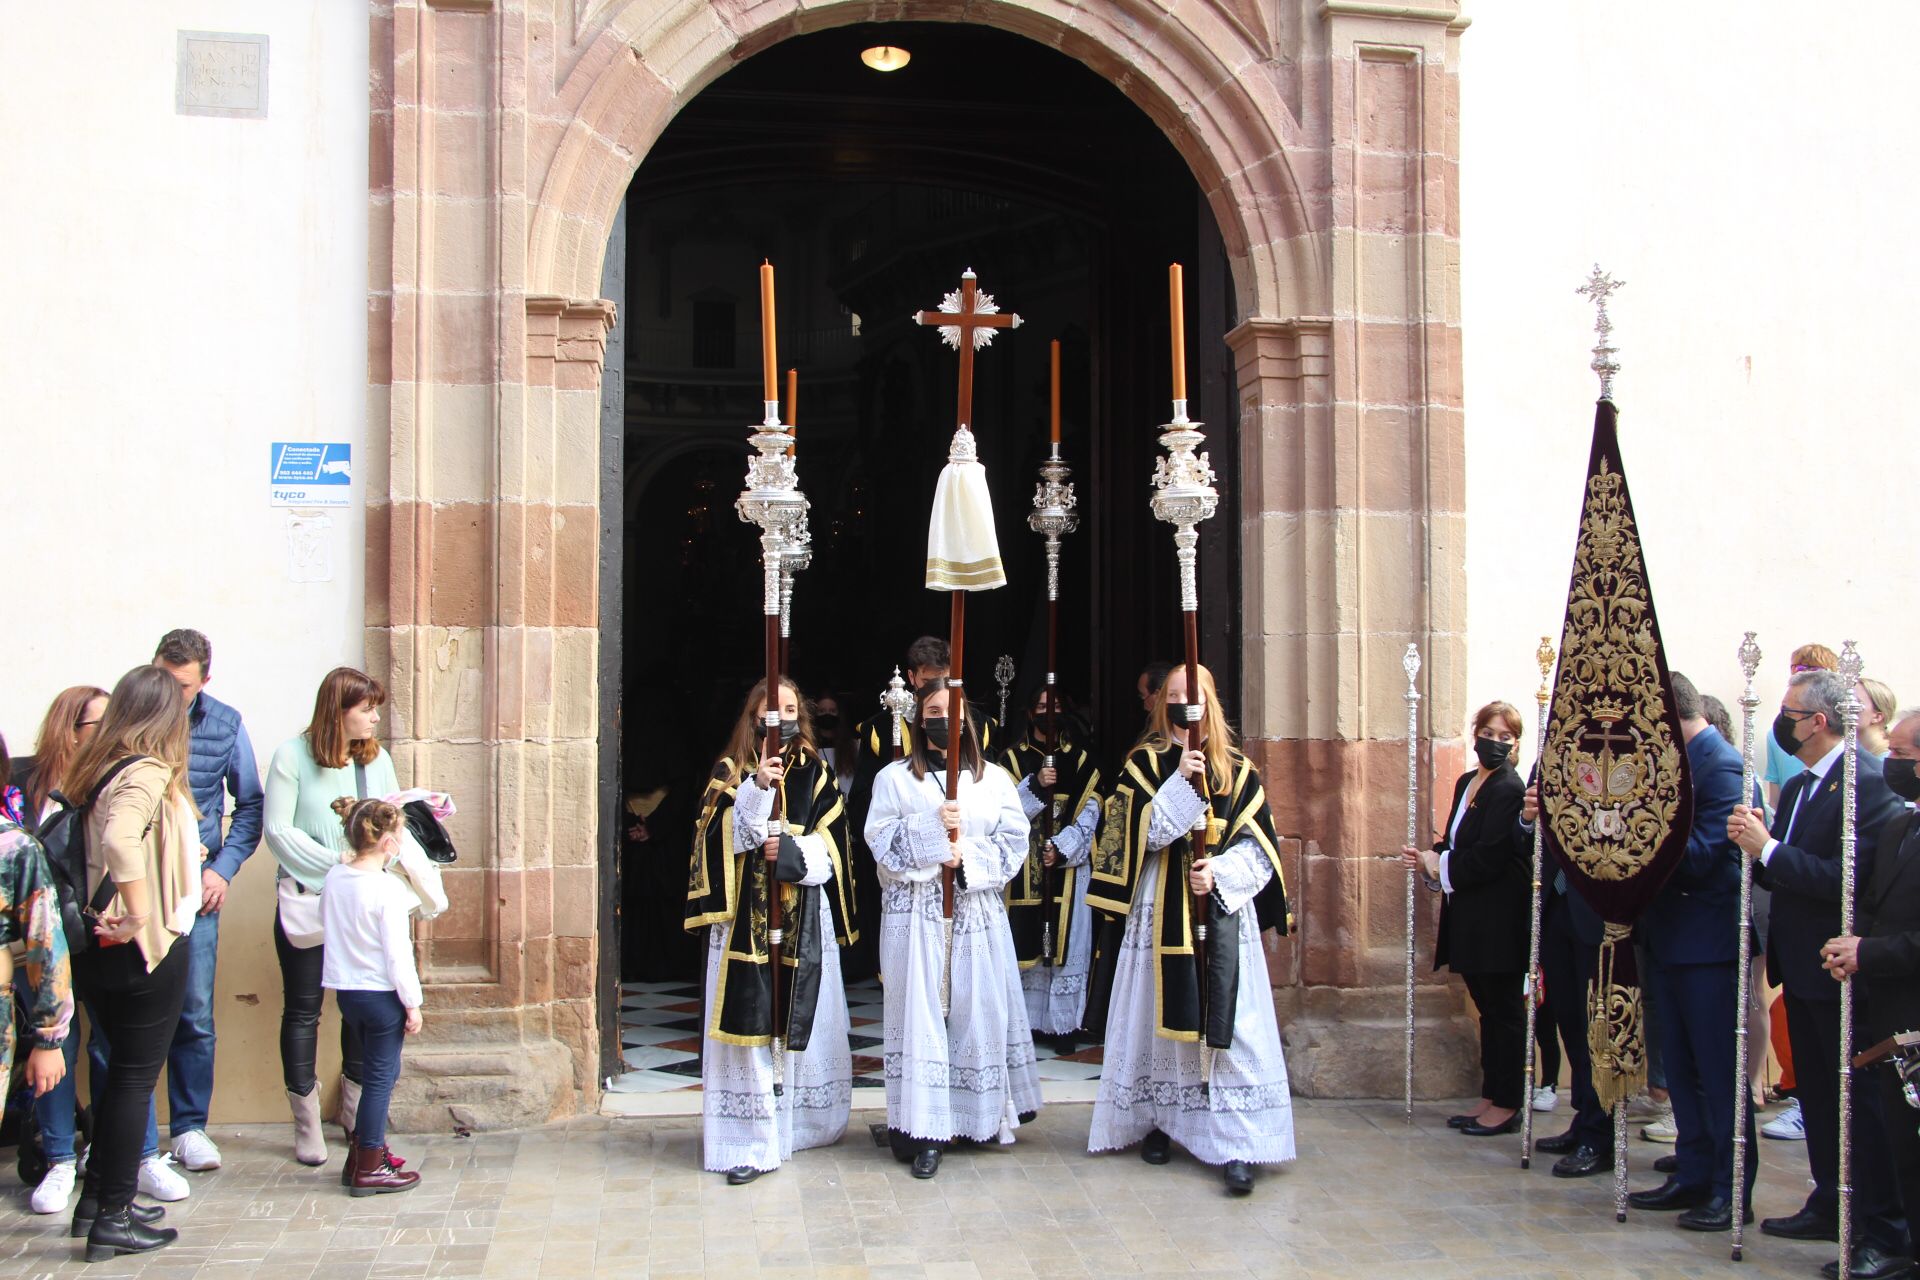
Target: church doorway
{"points": [[871, 192]]}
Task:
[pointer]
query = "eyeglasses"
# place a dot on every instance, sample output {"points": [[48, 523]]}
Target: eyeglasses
{"points": [[1791, 714]]}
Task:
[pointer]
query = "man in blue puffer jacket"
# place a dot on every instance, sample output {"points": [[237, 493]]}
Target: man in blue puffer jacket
{"points": [[221, 764]]}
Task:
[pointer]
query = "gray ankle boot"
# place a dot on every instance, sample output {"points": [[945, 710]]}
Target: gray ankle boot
{"points": [[309, 1143]]}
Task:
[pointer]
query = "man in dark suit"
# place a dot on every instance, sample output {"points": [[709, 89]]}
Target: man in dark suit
{"points": [[1692, 932], [1886, 954], [1570, 933], [1799, 862]]}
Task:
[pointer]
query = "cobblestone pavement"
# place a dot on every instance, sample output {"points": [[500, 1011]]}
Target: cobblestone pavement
{"points": [[598, 1197]]}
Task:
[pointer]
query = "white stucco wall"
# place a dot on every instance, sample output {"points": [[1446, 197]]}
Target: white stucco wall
{"points": [[184, 291], [1739, 166]]}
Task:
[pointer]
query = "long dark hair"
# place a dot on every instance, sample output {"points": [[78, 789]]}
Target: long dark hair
{"points": [[965, 750]]}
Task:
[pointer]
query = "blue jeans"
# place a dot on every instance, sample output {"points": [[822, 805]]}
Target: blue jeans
{"points": [[190, 1059], [54, 1110], [380, 1020]]}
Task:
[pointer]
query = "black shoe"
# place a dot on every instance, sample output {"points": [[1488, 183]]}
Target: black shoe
{"points": [[927, 1163], [1667, 1164], [743, 1175], [1559, 1144], [1715, 1215], [1028, 1117], [1869, 1263], [1670, 1195], [86, 1210], [113, 1234], [1804, 1225], [1157, 1148], [1239, 1177], [1461, 1122], [1477, 1130], [1583, 1163]]}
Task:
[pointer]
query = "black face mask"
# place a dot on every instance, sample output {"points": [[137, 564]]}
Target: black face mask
{"points": [[935, 727], [1492, 753], [1177, 717], [1783, 733], [1901, 778], [789, 733], [828, 723]]}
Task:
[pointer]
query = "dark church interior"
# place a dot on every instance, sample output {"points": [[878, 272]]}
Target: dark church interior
{"points": [[871, 192]]}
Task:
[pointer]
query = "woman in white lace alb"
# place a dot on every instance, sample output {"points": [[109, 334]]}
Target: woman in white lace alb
{"points": [[965, 1071]]}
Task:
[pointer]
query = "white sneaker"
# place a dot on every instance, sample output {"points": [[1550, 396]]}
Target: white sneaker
{"points": [[1662, 1129], [81, 1151], [1788, 1126], [195, 1151], [55, 1189], [1545, 1099], [158, 1180]]}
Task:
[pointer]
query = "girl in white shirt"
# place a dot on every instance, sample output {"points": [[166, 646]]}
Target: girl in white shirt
{"points": [[369, 968]]}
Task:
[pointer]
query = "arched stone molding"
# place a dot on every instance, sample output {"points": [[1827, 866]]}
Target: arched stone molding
{"points": [[1199, 76]]}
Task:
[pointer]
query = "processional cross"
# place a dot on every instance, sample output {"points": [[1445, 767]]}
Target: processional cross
{"points": [[1599, 287], [967, 319]]}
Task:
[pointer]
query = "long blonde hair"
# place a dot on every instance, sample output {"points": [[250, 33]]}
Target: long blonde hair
{"points": [[750, 732], [1161, 733], [145, 716]]}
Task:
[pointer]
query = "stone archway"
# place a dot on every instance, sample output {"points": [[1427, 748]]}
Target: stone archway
{"points": [[1325, 137]]}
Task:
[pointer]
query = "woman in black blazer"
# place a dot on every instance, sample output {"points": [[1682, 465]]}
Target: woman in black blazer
{"points": [[1483, 921]]}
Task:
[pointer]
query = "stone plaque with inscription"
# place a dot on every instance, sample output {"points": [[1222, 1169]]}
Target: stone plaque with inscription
{"points": [[220, 73]]}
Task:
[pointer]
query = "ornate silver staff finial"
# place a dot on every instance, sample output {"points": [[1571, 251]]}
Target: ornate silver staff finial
{"points": [[773, 501], [1184, 496], [897, 702], [1749, 659], [1599, 287], [1053, 514], [1003, 674], [797, 556]]}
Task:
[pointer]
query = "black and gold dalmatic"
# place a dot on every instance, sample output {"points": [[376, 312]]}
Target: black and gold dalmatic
{"points": [[1121, 855], [1079, 782], [743, 1006]]}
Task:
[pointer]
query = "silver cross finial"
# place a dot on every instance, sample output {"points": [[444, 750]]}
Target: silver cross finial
{"points": [[1599, 287]]}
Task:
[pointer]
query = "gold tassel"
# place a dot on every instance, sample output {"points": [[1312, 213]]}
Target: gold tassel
{"points": [[1616, 1029]]}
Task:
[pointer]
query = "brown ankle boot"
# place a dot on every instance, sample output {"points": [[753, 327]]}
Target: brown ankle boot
{"points": [[374, 1175]]}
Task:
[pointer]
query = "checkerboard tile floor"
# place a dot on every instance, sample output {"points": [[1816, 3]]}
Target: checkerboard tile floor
{"points": [[660, 1042]]}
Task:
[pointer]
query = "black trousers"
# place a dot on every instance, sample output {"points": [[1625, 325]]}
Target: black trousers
{"points": [[140, 1012], [1569, 967], [1503, 1036], [301, 1000], [1547, 1036], [1903, 1129], [1813, 1030], [1699, 1007]]}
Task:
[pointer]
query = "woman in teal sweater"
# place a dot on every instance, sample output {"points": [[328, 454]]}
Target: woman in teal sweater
{"points": [[338, 755]]}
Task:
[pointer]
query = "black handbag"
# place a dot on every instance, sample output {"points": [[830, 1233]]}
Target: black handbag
{"points": [[428, 833]]}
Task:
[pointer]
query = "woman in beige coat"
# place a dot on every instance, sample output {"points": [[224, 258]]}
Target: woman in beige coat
{"points": [[143, 886]]}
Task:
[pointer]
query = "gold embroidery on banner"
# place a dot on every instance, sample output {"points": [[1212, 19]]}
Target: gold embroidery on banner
{"points": [[1616, 752], [1616, 1027]]}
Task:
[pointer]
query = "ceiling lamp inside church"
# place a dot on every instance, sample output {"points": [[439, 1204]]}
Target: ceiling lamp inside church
{"points": [[885, 57]]}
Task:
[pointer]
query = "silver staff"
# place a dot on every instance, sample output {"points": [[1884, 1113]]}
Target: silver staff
{"points": [[773, 501], [897, 702], [1742, 1091], [1053, 517], [1850, 667], [1620, 1159], [1410, 663], [1003, 674], [1529, 988]]}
